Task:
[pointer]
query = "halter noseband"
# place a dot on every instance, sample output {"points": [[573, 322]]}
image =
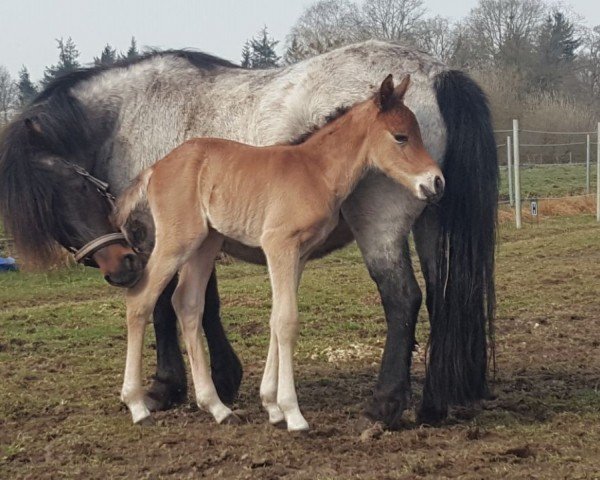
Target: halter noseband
{"points": [[84, 254]]}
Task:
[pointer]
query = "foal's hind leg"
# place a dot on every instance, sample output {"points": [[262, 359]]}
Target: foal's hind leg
{"points": [[283, 261], [188, 302]]}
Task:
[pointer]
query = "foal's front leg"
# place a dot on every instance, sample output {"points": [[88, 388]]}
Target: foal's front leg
{"points": [[141, 300], [280, 398]]}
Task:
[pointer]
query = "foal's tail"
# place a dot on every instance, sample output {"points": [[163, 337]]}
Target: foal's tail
{"points": [[464, 297], [132, 214]]}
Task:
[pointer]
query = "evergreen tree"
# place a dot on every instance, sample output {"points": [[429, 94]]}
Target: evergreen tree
{"points": [[263, 51], [294, 52], [246, 60], [27, 90], [132, 51], [555, 50], [107, 57], [67, 61]]}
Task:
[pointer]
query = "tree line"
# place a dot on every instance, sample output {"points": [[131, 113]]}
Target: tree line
{"points": [[531, 51], [16, 94]]}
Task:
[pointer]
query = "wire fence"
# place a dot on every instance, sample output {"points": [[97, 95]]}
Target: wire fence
{"points": [[538, 179]]}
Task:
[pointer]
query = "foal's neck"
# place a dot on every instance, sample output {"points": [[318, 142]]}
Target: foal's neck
{"points": [[340, 151]]}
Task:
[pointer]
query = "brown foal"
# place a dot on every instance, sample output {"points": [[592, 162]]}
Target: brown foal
{"points": [[283, 199]]}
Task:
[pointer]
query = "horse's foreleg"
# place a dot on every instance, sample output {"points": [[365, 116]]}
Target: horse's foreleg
{"points": [[401, 298], [380, 215], [226, 368], [169, 386], [188, 302], [284, 264]]}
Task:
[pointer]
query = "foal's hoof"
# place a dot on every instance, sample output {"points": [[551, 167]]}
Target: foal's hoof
{"points": [[146, 422], [281, 424]]}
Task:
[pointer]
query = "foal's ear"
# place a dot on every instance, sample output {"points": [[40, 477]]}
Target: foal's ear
{"points": [[33, 125], [401, 89], [386, 91]]}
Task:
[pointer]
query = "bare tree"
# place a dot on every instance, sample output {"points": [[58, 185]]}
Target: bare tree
{"points": [[8, 94], [326, 25], [588, 64], [392, 19], [505, 30], [438, 37]]}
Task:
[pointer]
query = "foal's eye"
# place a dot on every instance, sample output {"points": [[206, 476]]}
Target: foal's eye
{"points": [[401, 138]]}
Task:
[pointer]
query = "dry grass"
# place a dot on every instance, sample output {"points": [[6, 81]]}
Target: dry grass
{"points": [[551, 208]]}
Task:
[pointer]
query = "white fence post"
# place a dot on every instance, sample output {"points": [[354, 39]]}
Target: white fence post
{"points": [[517, 175], [511, 193], [598, 176], [587, 164]]}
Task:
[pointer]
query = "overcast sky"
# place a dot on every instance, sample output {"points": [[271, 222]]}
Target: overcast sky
{"points": [[28, 28]]}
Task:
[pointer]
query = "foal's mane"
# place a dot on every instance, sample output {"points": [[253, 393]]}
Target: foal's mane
{"points": [[337, 113], [27, 194]]}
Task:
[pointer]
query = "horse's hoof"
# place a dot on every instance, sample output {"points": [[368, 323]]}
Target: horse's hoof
{"points": [[232, 419], [227, 377], [373, 432], [146, 422], [163, 396], [431, 416]]}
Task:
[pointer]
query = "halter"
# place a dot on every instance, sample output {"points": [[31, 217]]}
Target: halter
{"points": [[84, 254]]}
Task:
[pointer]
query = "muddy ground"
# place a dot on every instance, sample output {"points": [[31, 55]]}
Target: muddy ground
{"points": [[62, 353]]}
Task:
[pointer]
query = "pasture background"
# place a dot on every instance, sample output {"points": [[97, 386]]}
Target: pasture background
{"points": [[62, 347]]}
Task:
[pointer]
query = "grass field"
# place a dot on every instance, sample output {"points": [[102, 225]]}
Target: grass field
{"points": [[62, 344], [550, 181]]}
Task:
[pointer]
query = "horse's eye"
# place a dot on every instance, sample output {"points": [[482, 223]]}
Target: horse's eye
{"points": [[401, 138]]}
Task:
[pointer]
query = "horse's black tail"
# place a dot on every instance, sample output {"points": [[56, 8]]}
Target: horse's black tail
{"points": [[464, 296]]}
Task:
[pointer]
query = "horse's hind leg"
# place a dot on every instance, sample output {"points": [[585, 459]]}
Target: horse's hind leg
{"points": [[188, 302]]}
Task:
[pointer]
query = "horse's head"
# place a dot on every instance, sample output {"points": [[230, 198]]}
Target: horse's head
{"points": [[47, 201], [395, 146]]}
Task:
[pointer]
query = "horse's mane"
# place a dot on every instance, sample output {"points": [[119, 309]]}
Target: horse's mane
{"points": [[200, 60], [26, 190]]}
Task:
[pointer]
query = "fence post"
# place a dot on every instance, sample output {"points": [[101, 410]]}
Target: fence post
{"points": [[511, 193], [587, 164], [598, 176], [517, 174]]}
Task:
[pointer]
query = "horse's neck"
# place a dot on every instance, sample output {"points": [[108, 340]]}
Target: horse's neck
{"points": [[339, 149]]}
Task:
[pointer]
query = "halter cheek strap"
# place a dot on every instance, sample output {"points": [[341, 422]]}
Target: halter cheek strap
{"points": [[84, 254]]}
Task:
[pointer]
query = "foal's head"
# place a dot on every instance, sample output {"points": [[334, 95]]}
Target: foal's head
{"points": [[395, 146]]}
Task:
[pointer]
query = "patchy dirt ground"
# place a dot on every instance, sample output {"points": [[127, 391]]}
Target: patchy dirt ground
{"points": [[62, 353]]}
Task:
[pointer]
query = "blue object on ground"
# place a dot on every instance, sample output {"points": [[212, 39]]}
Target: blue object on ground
{"points": [[8, 264]]}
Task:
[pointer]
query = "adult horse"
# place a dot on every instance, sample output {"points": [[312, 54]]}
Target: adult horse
{"points": [[115, 121]]}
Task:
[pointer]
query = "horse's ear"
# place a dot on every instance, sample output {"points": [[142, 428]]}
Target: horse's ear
{"points": [[33, 125], [401, 89], [386, 91]]}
